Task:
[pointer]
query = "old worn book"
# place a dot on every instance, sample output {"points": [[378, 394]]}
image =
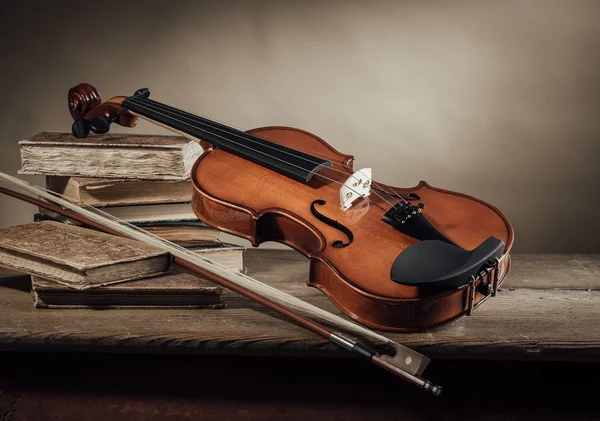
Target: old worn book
{"points": [[146, 214], [109, 156], [229, 255], [77, 257], [8, 273], [120, 192], [184, 233], [178, 288], [153, 213]]}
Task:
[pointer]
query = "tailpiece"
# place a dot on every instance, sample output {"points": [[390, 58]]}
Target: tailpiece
{"points": [[399, 360]]}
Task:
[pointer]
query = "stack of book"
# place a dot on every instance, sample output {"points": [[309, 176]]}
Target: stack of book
{"points": [[143, 180], [160, 207], [74, 267]]}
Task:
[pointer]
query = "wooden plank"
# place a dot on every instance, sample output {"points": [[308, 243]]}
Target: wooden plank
{"points": [[520, 323], [538, 271], [567, 271]]}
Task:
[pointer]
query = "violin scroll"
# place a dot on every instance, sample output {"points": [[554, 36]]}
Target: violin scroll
{"points": [[91, 114], [82, 99]]}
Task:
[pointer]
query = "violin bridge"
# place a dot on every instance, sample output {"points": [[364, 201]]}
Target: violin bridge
{"points": [[356, 186]]}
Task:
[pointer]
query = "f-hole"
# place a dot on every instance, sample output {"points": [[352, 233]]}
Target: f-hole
{"points": [[332, 223], [412, 196]]}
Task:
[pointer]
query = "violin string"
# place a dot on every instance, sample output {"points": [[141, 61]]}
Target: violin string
{"points": [[392, 193], [392, 210], [270, 156], [150, 108], [227, 128], [239, 278], [242, 135]]}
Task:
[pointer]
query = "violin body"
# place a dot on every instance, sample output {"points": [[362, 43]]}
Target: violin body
{"points": [[242, 198], [392, 258]]}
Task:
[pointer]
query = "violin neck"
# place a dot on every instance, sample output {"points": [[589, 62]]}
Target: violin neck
{"points": [[287, 161]]}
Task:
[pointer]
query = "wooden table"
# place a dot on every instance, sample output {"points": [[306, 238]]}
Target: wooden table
{"points": [[547, 310]]}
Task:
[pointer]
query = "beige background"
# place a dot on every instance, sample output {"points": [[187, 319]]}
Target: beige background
{"points": [[497, 99]]}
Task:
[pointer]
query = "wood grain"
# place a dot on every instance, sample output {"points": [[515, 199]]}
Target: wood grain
{"points": [[568, 271], [556, 320]]}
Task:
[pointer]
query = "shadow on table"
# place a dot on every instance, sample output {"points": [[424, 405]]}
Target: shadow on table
{"points": [[18, 282]]}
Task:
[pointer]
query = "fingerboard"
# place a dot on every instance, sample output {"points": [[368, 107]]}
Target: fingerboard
{"points": [[287, 161]]}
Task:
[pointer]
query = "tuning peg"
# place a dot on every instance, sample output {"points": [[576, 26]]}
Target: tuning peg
{"points": [[145, 92], [101, 124], [80, 128]]}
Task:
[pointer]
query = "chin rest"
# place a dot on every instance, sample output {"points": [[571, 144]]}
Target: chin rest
{"points": [[433, 263]]}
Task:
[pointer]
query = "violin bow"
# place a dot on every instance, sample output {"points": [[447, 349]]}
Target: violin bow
{"points": [[402, 362]]}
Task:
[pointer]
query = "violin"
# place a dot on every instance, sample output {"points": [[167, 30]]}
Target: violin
{"points": [[391, 258]]}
